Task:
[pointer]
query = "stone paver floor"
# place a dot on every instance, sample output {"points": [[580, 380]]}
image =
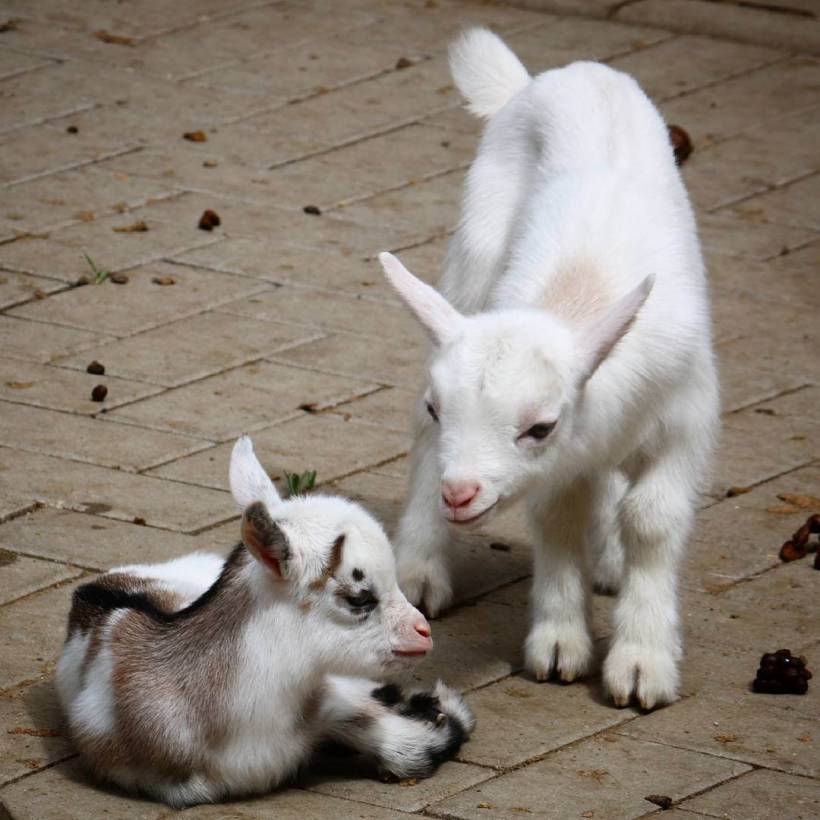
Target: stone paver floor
{"points": [[277, 322]]}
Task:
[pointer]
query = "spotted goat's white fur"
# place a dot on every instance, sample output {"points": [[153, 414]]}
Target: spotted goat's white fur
{"points": [[205, 677], [573, 363]]}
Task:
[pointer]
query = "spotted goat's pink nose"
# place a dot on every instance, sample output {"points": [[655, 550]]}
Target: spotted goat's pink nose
{"points": [[459, 493]]}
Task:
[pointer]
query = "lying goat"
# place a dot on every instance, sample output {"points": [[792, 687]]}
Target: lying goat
{"points": [[203, 678], [573, 363]]}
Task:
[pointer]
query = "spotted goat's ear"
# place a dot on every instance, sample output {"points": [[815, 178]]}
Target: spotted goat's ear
{"points": [[265, 539]]}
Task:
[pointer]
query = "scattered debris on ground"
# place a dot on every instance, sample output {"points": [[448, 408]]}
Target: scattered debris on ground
{"points": [[781, 673], [118, 278], [662, 800], [734, 491], [798, 545], [72, 129], [99, 393], [209, 220], [403, 62], [114, 39], [195, 136], [139, 520], [681, 144], [500, 546], [140, 226], [95, 368], [164, 280], [315, 210]]}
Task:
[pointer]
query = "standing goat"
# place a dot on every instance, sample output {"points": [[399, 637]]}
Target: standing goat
{"points": [[206, 677], [573, 363]]}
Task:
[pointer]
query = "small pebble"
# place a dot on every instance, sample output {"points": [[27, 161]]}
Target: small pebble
{"points": [[403, 62], [662, 800], [72, 129], [96, 368], [119, 278], [138, 519], [312, 209], [164, 280], [99, 393], [195, 136]]}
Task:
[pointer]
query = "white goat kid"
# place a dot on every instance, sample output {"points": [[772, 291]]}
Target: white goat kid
{"points": [[207, 677], [572, 363]]}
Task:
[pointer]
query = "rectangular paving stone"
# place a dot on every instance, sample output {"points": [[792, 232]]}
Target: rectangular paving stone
{"points": [[736, 314], [347, 113], [64, 389], [142, 303], [741, 536], [723, 729], [241, 400], [376, 164], [192, 348], [752, 448], [742, 386], [723, 110], [325, 443], [32, 631], [65, 791], [327, 311], [31, 732], [99, 543], [96, 440], [305, 67], [756, 795], [432, 205], [520, 719], [793, 204], [763, 157], [274, 261], [112, 493], [393, 362], [410, 795], [21, 575], [390, 407], [16, 288], [609, 778], [556, 42], [747, 236], [75, 196], [667, 69], [774, 610], [38, 342]]}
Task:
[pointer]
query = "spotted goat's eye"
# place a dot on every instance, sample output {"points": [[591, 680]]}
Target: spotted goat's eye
{"points": [[432, 411], [540, 431], [364, 600]]}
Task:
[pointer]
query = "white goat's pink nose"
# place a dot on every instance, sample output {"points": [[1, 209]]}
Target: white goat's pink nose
{"points": [[459, 493], [422, 627]]}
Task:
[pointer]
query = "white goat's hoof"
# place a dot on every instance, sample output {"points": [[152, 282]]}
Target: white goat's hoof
{"points": [[427, 586], [565, 652], [648, 674]]}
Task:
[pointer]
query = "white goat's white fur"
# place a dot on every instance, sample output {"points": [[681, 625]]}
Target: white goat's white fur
{"points": [[574, 295], [207, 677]]}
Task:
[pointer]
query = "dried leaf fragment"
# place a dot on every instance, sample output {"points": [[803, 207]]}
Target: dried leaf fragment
{"points": [[209, 220], [805, 502], [195, 136], [164, 280], [114, 39], [19, 385], [140, 226]]}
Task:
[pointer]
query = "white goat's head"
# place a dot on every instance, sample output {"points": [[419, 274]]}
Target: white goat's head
{"points": [[503, 389], [333, 560]]}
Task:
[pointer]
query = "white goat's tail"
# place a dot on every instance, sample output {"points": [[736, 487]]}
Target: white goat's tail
{"points": [[486, 71]]}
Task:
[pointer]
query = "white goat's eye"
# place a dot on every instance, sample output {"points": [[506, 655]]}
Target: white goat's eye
{"points": [[540, 431], [362, 601], [432, 411]]}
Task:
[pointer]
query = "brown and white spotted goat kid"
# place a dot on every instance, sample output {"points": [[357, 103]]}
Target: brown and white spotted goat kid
{"points": [[203, 678]]}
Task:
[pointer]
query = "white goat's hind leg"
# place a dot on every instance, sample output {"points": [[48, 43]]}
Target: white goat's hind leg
{"points": [[559, 640], [605, 552], [421, 541], [656, 518], [407, 738]]}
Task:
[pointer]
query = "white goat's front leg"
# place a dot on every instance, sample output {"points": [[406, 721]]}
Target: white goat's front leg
{"points": [[559, 640], [421, 541], [655, 520], [406, 736], [605, 552]]}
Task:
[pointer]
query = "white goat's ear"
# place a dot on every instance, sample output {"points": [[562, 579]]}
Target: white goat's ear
{"points": [[265, 540], [248, 479], [441, 320], [600, 338]]}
